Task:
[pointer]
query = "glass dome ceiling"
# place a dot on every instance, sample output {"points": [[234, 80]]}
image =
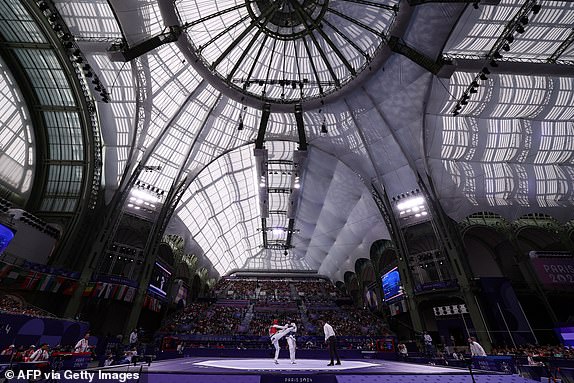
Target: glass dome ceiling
{"points": [[285, 51], [509, 152]]}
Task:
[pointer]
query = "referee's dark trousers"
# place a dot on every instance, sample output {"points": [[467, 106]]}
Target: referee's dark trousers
{"points": [[332, 341]]}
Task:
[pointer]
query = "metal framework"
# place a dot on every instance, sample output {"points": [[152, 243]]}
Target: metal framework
{"points": [[316, 40]]}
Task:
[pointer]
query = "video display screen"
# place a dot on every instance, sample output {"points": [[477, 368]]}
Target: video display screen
{"points": [[159, 279], [6, 235], [391, 281]]}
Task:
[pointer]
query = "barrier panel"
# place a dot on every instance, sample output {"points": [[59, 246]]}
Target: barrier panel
{"points": [[24, 330]]}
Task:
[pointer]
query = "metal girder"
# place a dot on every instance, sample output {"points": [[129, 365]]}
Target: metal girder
{"points": [[290, 230], [399, 46], [356, 22], [312, 66], [484, 2], [263, 126], [267, 14], [244, 53], [348, 40], [394, 8], [245, 84], [223, 33], [121, 53], [280, 162], [301, 14], [319, 29], [278, 212], [23, 45], [300, 127], [565, 44], [526, 68], [264, 232], [213, 15]]}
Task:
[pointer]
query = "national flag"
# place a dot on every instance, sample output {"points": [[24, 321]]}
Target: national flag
{"points": [[57, 284], [30, 281], [102, 289], [88, 290], [5, 270], [69, 286], [152, 304], [45, 283], [130, 294], [108, 291], [119, 292], [97, 288]]}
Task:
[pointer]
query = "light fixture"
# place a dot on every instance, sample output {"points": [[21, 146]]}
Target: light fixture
{"points": [[509, 38], [493, 63], [536, 8], [506, 47], [324, 128], [524, 20], [520, 28], [497, 55], [483, 77], [485, 70], [410, 203]]}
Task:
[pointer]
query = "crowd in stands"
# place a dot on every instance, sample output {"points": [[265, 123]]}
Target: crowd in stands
{"points": [[219, 320], [236, 289], [204, 318], [13, 305], [260, 323], [181, 321], [304, 301], [275, 290], [333, 291], [536, 351], [349, 321]]}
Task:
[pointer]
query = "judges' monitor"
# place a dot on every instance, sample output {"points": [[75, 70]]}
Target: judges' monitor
{"points": [[391, 281]]}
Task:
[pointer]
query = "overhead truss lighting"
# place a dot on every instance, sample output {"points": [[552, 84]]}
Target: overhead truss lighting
{"points": [[411, 207], [516, 25]]}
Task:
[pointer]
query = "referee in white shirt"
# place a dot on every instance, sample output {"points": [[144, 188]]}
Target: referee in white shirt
{"points": [[331, 340]]}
